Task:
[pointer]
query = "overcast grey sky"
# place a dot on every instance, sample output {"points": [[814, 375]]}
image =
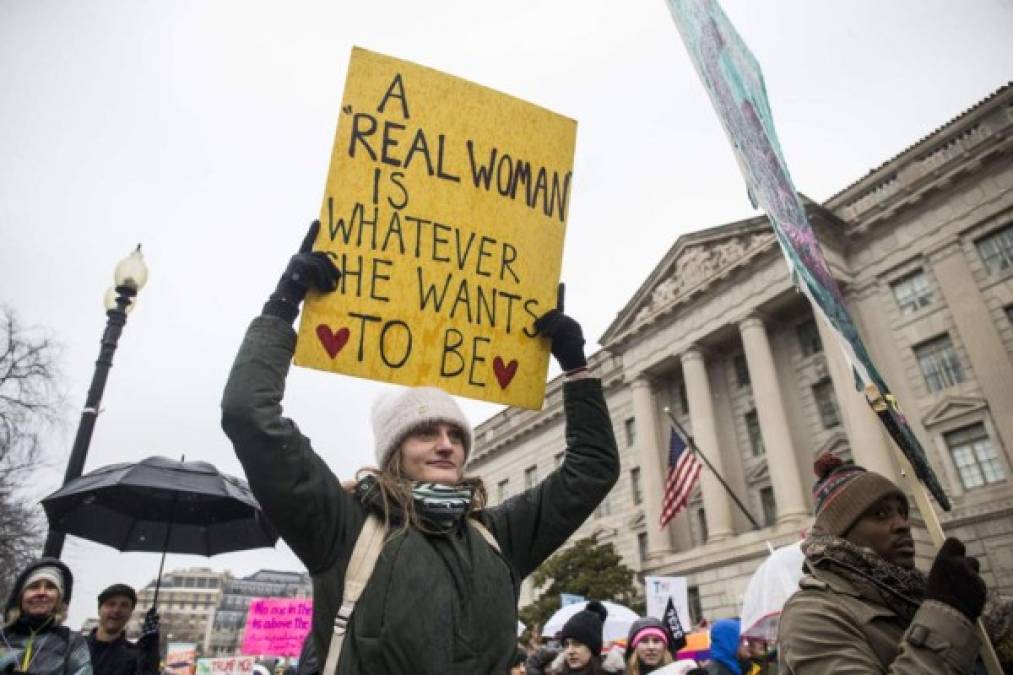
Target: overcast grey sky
{"points": [[203, 129]]}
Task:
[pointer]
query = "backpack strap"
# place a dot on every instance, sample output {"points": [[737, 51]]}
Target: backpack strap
{"points": [[486, 534], [360, 567]]}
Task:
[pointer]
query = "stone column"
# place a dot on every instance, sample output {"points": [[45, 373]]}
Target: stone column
{"points": [[781, 458], [701, 415], [976, 326], [870, 446], [652, 466]]}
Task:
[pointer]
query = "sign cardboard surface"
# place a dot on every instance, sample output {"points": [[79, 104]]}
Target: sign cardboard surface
{"points": [[230, 665], [277, 626], [181, 658], [445, 209], [658, 591]]}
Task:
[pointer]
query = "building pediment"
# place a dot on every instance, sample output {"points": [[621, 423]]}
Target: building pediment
{"points": [[951, 407], [696, 262]]}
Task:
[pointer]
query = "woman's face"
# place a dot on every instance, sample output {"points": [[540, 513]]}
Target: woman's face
{"points": [[40, 598], [434, 454], [518, 670], [577, 654], [650, 650]]}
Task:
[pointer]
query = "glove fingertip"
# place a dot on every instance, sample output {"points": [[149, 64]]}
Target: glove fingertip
{"points": [[953, 546]]}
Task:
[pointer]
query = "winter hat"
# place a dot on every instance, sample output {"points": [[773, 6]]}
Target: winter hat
{"points": [[395, 415], [585, 626], [48, 572], [843, 491], [118, 590], [642, 628]]}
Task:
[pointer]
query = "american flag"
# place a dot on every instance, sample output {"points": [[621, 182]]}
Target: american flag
{"points": [[683, 472]]}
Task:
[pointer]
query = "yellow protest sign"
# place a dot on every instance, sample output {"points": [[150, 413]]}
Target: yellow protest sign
{"points": [[445, 209]]}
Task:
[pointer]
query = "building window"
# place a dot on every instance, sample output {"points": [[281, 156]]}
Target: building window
{"points": [[826, 404], [974, 456], [631, 431], [809, 338], [912, 292], [753, 430], [695, 608], [701, 525], [996, 249], [768, 505], [638, 496], [741, 370], [939, 363], [530, 477], [557, 460], [642, 546], [503, 490]]}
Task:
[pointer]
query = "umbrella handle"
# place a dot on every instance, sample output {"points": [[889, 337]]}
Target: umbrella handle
{"points": [[165, 542]]}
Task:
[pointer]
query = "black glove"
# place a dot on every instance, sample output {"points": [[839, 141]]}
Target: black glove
{"points": [[954, 580], [151, 622], [567, 339], [307, 269]]}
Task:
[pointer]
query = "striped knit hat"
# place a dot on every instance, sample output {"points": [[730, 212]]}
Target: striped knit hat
{"points": [[843, 491]]}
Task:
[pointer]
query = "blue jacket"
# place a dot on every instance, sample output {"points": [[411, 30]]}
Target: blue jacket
{"points": [[725, 646]]}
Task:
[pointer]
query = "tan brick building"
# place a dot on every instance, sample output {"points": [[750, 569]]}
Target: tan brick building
{"points": [[923, 249]]}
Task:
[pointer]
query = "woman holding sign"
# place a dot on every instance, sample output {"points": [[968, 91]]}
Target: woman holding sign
{"points": [[441, 597]]}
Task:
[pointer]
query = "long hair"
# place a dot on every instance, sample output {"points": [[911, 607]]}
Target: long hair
{"points": [[634, 667], [396, 494]]}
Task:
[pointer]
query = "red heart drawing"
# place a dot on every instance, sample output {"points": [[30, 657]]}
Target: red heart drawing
{"points": [[332, 341], [504, 371]]}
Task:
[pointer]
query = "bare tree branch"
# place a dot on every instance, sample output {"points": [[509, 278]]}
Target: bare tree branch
{"points": [[31, 403]]}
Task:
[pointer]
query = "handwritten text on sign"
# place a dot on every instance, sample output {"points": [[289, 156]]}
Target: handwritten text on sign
{"points": [[233, 665], [277, 626], [445, 208]]}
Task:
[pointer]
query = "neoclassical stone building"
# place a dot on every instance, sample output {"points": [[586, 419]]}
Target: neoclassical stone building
{"points": [[923, 249]]}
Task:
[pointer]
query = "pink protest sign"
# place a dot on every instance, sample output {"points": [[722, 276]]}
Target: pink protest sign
{"points": [[277, 626]]}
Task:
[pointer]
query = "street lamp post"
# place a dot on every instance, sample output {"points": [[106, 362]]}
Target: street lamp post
{"points": [[129, 277]]}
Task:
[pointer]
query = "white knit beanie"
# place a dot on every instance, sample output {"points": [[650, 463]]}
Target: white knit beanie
{"points": [[396, 414], [50, 573]]}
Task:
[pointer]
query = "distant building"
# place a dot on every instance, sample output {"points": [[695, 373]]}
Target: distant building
{"points": [[922, 247], [187, 600], [226, 635]]}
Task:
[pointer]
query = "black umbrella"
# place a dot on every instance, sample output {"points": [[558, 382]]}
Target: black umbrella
{"points": [[161, 504]]}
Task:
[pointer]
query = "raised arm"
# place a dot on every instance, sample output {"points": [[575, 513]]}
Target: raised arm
{"points": [[532, 525], [297, 490]]}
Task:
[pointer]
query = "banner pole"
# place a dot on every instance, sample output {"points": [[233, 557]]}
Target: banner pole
{"points": [[936, 534]]}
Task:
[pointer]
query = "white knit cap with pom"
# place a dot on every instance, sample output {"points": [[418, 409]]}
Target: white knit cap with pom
{"points": [[396, 414]]}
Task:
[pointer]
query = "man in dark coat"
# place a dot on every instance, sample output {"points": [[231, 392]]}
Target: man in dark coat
{"points": [[441, 601], [111, 652]]}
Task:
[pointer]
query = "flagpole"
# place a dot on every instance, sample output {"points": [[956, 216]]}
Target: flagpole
{"points": [[692, 447]]}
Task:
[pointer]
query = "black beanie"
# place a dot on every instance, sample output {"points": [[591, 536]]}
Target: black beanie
{"points": [[118, 589], [585, 626]]}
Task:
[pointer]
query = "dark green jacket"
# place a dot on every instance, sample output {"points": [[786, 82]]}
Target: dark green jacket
{"points": [[440, 605]]}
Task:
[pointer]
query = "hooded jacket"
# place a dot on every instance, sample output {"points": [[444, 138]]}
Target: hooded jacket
{"points": [[724, 648], [441, 604], [41, 647], [831, 625]]}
